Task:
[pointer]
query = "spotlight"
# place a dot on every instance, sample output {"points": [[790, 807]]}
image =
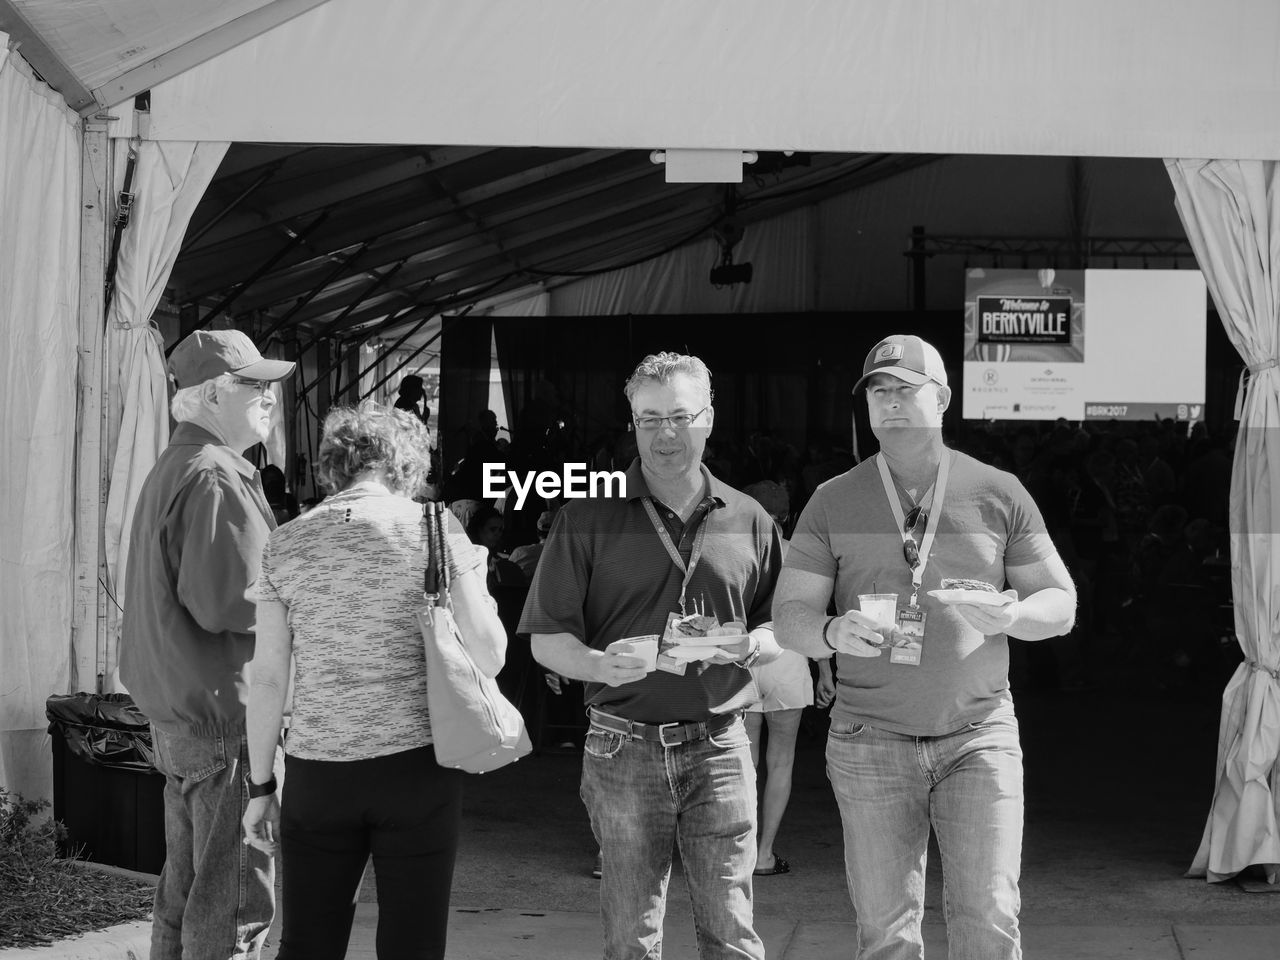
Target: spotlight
{"points": [[728, 231], [727, 274]]}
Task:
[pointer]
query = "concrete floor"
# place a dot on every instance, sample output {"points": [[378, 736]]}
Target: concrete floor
{"points": [[1118, 787]]}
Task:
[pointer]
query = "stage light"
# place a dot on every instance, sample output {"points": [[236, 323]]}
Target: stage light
{"points": [[728, 274]]}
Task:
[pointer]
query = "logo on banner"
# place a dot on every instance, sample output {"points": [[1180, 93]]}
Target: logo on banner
{"points": [[1024, 320]]}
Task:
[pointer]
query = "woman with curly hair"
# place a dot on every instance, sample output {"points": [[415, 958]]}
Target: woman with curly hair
{"points": [[337, 593]]}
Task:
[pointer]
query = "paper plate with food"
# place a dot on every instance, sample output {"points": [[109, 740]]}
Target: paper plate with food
{"points": [[703, 630], [683, 654], [963, 590]]}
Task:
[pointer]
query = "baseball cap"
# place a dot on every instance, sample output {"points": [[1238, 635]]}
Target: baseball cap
{"points": [[206, 354], [906, 357]]}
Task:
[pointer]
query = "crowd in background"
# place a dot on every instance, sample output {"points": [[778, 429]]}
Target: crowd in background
{"points": [[1138, 511]]}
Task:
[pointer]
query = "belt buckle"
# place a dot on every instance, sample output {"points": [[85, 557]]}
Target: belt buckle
{"points": [[662, 734]]}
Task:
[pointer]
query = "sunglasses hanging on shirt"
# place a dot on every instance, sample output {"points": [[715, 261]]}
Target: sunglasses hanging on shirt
{"points": [[917, 517]]}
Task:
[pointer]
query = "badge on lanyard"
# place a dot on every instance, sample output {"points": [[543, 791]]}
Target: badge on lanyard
{"points": [[911, 618], [667, 662], [911, 625]]}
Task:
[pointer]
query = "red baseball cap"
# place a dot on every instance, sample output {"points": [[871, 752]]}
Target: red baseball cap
{"points": [[906, 357], [206, 354]]}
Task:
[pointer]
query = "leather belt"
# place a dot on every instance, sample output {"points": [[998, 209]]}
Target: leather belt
{"points": [[667, 734]]}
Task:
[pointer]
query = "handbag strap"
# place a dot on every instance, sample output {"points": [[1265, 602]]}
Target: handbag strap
{"points": [[431, 571], [435, 577], [442, 552]]}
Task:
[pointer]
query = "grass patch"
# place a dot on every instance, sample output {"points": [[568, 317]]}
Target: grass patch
{"points": [[44, 899]]}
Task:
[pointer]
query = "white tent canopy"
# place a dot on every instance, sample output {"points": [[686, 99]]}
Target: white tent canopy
{"points": [[101, 54], [1150, 78]]}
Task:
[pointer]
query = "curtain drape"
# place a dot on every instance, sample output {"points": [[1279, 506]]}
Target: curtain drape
{"points": [[535, 305], [466, 357], [169, 180], [1231, 211], [39, 306]]}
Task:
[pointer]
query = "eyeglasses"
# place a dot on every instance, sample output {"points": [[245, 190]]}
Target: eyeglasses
{"points": [[679, 421], [910, 549], [262, 386]]}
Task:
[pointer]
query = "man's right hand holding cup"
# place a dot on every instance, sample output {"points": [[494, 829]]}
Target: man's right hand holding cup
{"points": [[615, 669], [859, 635]]}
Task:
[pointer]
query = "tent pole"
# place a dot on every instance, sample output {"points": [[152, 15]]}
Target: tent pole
{"points": [[227, 208], [365, 294], [89, 613], [918, 256], [337, 271], [396, 346], [295, 240], [405, 362]]}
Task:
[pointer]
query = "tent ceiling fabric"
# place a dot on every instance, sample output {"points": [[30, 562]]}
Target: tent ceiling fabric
{"points": [[89, 45], [361, 240], [1143, 78]]}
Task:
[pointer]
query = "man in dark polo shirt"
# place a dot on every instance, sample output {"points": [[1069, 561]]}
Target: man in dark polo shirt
{"points": [[186, 639], [667, 758]]}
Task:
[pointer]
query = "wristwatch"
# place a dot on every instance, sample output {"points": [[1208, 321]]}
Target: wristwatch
{"points": [[257, 790], [750, 660]]}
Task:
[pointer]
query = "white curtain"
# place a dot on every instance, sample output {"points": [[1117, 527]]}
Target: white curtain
{"points": [[39, 304], [1231, 211], [169, 180]]}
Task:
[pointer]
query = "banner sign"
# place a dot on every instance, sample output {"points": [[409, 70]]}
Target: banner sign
{"points": [[1024, 320], [1027, 356]]}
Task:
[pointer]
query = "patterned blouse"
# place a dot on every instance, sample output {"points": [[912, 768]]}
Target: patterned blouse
{"points": [[350, 573]]}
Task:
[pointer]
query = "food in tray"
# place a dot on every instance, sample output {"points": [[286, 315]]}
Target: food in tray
{"points": [[959, 583], [965, 590], [694, 625], [701, 630]]}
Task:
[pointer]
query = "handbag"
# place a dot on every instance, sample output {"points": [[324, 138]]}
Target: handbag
{"points": [[473, 726]]}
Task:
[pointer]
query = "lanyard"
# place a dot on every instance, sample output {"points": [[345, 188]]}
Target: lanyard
{"points": [[932, 507], [671, 547]]}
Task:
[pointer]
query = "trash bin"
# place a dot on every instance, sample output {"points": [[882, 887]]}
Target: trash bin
{"points": [[106, 790]]}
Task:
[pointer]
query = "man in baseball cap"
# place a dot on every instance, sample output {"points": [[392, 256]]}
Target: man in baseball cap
{"points": [[931, 669], [187, 635], [906, 357], [206, 354]]}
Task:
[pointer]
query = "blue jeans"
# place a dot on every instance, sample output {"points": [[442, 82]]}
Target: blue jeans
{"points": [[643, 798], [216, 896], [968, 785]]}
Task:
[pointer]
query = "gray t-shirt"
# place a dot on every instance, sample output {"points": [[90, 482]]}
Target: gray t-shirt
{"points": [[847, 532], [350, 572]]}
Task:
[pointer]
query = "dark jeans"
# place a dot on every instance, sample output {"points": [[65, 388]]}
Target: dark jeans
{"points": [[403, 809]]}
